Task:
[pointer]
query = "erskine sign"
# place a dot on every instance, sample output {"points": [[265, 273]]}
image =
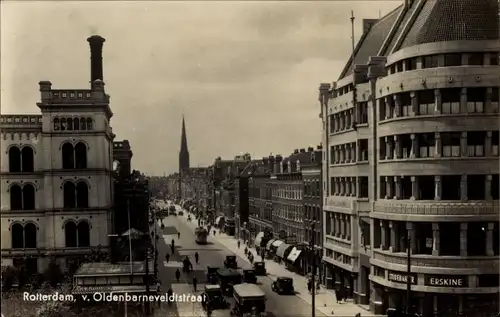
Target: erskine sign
{"points": [[447, 280]]}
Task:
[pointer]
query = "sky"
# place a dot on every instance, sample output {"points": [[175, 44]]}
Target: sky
{"points": [[244, 74]]}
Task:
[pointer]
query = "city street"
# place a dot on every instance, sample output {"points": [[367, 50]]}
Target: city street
{"points": [[211, 254]]}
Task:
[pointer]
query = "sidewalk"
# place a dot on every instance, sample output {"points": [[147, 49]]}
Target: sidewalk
{"points": [[325, 300]]}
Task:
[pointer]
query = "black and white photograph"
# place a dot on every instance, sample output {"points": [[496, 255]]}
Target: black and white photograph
{"points": [[335, 158]]}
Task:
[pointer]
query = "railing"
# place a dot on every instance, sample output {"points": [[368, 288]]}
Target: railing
{"points": [[21, 120], [444, 208]]}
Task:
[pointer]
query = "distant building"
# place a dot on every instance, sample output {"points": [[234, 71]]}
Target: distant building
{"points": [[411, 145], [56, 174]]}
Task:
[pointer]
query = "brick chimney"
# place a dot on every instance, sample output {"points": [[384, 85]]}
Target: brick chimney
{"points": [[302, 150], [319, 147], [277, 163], [270, 165], [296, 151], [310, 149], [96, 43]]}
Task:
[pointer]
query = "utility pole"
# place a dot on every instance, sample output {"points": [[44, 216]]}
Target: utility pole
{"points": [[408, 278], [313, 280]]}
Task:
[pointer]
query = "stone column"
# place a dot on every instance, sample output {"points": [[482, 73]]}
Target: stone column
{"points": [[415, 190], [336, 124], [342, 121], [437, 188], [487, 99], [353, 152], [388, 188], [397, 105], [342, 154], [350, 115], [437, 146], [487, 143], [398, 186], [489, 239], [338, 226], [354, 187], [388, 148], [463, 188], [383, 235], [438, 103], [414, 104], [436, 243], [347, 186], [388, 113], [463, 100], [394, 236], [464, 151], [415, 151], [397, 147], [337, 154], [487, 187], [348, 227], [343, 226], [463, 239], [412, 235]]}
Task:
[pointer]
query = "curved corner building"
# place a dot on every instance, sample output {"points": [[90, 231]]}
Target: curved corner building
{"points": [[411, 135]]}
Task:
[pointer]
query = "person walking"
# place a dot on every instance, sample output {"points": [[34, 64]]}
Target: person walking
{"points": [[196, 257], [178, 235], [309, 286], [169, 295], [167, 257], [214, 232], [195, 283], [239, 243], [177, 275]]}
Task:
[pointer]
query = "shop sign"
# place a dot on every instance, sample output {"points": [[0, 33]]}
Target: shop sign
{"points": [[447, 280], [400, 277]]}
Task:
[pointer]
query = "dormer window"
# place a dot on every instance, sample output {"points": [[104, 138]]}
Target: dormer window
{"points": [[281, 167], [313, 158], [298, 166]]}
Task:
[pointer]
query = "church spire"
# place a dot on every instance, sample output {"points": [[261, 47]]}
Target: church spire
{"points": [[184, 152]]}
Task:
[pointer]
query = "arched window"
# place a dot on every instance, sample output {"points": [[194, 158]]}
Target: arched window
{"points": [[83, 124], [16, 198], [27, 159], [70, 234], [57, 124], [17, 236], [76, 124], [70, 124], [14, 159], [69, 195], [28, 194], [83, 234], [68, 156], [89, 124], [80, 155], [63, 124], [30, 236], [82, 195]]}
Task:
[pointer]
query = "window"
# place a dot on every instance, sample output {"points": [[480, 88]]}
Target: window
{"points": [[494, 59], [430, 61], [410, 64], [76, 196], [24, 237], [21, 160], [475, 59], [363, 187], [452, 60], [74, 156], [22, 198]]}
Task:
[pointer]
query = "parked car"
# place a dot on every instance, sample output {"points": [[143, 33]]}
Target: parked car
{"points": [[283, 285]]}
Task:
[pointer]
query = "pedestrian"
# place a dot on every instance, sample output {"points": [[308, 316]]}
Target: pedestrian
{"points": [[169, 295], [167, 257], [196, 257], [346, 293], [309, 286], [178, 235], [337, 295], [239, 243], [195, 283], [177, 275], [214, 232]]}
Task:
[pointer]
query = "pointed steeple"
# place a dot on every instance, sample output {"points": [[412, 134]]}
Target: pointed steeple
{"points": [[184, 152]]}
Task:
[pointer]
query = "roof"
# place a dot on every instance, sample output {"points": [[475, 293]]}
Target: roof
{"points": [[211, 286], [436, 21], [248, 290], [454, 20], [228, 272], [371, 41], [107, 269]]}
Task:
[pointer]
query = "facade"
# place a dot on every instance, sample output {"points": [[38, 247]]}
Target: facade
{"points": [[260, 216], [313, 203], [410, 135], [56, 174]]}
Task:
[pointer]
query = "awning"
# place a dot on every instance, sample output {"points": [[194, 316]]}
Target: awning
{"points": [[258, 238], [294, 255], [268, 246], [277, 243], [283, 249], [218, 220]]}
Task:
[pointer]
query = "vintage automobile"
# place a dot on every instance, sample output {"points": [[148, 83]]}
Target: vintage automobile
{"points": [[201, 235], [172, 213], [227, 279], [249, 276], [180, 213], [212, 274], [213, 295], [260, 268], [249, 300], [283, 285], [230, 262]]}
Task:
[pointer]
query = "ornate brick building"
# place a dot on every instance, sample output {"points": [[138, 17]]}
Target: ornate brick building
{"points": [[411, 160]]}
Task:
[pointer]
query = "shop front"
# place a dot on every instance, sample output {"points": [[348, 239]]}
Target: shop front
{"points": [[229, 227], [283, 251], [295, 260]]}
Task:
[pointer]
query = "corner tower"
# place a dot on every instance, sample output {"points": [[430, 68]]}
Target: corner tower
{"points": [[184, 152]]}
